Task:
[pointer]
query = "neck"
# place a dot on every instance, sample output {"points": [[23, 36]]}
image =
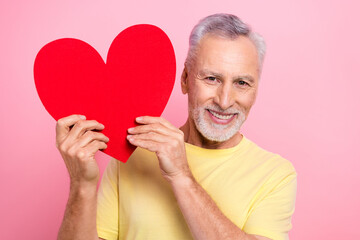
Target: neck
{"points": [[194, 137]]}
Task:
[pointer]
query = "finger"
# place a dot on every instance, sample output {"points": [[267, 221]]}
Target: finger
{"points": [[146, 144], [63, 125], [150, 120], [154, 127], [82, 126], [150, 136], [94, 146], [90, 136]]}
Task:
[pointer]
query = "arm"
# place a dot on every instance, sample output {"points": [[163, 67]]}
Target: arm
{"points": [[80, 215], [77, 146], [204, 218]]}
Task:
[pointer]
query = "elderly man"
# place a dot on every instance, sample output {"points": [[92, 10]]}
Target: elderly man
{"points": [[202, 181]]}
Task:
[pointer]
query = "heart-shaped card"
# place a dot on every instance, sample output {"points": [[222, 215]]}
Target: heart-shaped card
{"points": [[136, 80]]}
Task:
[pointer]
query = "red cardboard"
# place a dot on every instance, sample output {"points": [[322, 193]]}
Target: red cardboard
{"points": [[137, 80]]}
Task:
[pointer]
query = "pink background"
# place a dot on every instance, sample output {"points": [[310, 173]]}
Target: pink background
{"points": [[307, 109]]}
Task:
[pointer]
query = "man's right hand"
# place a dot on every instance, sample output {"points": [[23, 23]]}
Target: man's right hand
{"points": [[78, 142]]}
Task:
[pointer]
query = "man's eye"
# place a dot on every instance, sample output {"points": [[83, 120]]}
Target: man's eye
{"points": [[242, 83], [211, 78]]}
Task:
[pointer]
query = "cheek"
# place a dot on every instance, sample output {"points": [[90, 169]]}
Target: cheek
{"points": [[247, 100], [192, 99], [198, 94]]}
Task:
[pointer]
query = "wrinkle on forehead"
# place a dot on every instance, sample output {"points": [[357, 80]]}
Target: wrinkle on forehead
{"points": [[228, 57]]}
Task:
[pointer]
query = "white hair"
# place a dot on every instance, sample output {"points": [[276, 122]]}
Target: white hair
{"points": [[224, 25]]}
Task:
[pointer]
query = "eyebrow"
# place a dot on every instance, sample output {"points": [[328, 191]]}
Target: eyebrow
{"points": [[219, 75], [208, 72]]}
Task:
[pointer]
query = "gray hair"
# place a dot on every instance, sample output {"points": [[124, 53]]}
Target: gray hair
{"points": [[224, 25]]}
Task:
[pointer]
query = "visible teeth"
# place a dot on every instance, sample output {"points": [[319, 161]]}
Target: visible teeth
{"points": [[223, 117]]}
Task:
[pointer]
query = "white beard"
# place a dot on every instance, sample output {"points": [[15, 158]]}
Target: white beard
{"points": [[217, 132]]}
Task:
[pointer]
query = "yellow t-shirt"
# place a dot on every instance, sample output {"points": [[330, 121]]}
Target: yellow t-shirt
{"points": [[254, 188]]}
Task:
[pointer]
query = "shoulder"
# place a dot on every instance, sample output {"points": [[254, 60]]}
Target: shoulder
{"points": [[275, 174], [271, 161]]}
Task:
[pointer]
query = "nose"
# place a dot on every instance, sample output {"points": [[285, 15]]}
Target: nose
{"points": [[225, 97]]}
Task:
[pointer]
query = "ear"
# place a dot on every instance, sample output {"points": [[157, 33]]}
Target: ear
{"points": [[184, 81]]}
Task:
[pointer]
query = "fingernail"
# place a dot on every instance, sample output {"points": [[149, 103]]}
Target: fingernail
{"points": [[82, 117], [139, 118], [102, 125], [129, 137], [131, 130]]}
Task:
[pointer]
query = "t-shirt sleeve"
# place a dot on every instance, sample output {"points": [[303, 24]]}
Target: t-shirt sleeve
{"points": [[107, 203], [271, 217]]}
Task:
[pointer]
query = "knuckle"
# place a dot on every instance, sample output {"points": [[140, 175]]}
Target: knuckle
{"points": [[80, 123], [86, 134], [60, 122], [71, 152], [138, 129], [80, 154], [96, 144], [103, 145], [93, 122], [180, 138], [62, 148], [102, 136], [90, 134], [173, 143]]}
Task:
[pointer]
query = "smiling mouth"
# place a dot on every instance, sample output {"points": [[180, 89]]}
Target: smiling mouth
{"points": [[221, 115]]}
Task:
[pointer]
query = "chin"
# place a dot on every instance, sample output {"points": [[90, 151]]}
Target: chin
{"points": [[218, 135], [216, 132]]}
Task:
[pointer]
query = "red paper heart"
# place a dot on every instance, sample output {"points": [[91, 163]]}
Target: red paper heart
{"points": [[137, 80]]}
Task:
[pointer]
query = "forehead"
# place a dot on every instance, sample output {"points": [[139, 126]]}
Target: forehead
{"points": [[227, 56]]}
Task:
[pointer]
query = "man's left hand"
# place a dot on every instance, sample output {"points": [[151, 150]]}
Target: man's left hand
{"points": [[158, 135]]}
